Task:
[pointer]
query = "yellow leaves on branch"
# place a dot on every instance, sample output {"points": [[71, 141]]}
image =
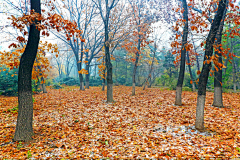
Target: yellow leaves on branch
{"points": [[12, 59], [83, 71]]}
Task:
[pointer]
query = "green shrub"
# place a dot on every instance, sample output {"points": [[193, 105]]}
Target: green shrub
{"points": [[48, 82], [56, 86], [186, 89], [9, 83], [69, 81]]}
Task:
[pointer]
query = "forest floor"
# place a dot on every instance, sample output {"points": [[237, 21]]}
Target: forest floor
{"points": [[69, 123]]}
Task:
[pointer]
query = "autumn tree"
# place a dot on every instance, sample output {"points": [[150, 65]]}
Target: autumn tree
{"points": [[25, 114], [80, 13], [217, 101], [178, 99], [24, 130], [105, 15], [199, 124], [140, 31]]}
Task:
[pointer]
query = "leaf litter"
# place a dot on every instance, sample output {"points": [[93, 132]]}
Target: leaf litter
{"points": [[69, 123]]}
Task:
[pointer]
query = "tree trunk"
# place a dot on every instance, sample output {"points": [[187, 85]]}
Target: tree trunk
{"points": [[43, 85], [197, 58], [87, 76], [116, 73], [151, 68], [109, 74], [178, 99], [136, 64], [218, 102], [80, 67], [103, 83], [234, 76], [107, 56], [126, 73], [199, 123], [190, 71], [24, 129]]}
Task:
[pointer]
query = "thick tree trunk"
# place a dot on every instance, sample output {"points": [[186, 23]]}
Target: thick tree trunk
{"points": [[24, 129], [199, 123], [178, 99], [190, 71], [217, 101]]}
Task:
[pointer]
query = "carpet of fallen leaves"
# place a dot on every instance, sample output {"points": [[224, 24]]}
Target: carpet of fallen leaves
{"points": [[69, 123]]}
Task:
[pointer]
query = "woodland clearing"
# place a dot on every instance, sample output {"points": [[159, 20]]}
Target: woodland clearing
{"points": [[69, 123]]}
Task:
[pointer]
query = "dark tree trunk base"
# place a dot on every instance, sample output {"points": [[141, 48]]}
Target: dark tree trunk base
{"points": [[24, 130]]}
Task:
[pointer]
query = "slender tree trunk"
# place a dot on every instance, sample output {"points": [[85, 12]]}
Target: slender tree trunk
{"points": [[151, 67], [190, 71], [234, 76], [218, 102], [87, 75], [87, 81], [178, 99], [24, 129], [107, 56], [233, 69], [199, 123], [134, 74], [116, 68], [126, 73], [95, 71], [197, 58], [80, 67], [136, 64], [103, 82], [43, 85]]}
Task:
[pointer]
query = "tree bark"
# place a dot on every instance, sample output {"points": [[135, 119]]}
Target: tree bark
{"points": [[24, 129], [87, 77], [80, 67], [116, 76], [109, 68], [199, 123], [190, 72], [178, 99], [43, 85], [218, 102]]}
